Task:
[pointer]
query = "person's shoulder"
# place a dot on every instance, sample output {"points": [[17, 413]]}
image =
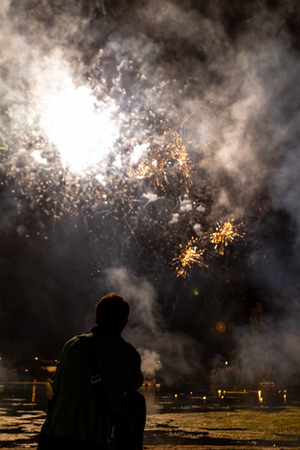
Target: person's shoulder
{"points": [[75, 340], [130, 348]]}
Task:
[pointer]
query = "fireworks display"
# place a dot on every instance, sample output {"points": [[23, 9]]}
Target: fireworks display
{"points": [[166, 162], [192, 254], [57, 186], [146, 139], [72, 164], [226, 233], [189, 256], [94, 146]]}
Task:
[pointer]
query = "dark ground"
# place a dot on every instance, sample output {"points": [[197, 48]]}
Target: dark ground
{"points": [[263, 428]]}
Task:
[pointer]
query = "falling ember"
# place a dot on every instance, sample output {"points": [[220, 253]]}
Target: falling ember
{"points": [[224, 234], [189, 256]]}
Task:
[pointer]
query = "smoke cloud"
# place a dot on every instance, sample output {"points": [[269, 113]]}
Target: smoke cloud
{"points": [[268, 355], [172, 356]]}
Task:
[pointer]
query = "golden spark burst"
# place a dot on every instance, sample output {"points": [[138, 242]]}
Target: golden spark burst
{"points": [[189, 256], [226, 233], [166, 161], [143, 171]]}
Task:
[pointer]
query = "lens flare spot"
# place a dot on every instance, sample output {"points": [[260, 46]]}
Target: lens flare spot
{"points": [[220, 327]]}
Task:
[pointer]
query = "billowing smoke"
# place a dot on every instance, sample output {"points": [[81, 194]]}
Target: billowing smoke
{"points": [[129, 130], [150, 364], [170, 356], [267, 353]]}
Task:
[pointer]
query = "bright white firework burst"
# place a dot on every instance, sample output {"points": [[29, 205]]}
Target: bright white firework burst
{"points": [[81, 128]]}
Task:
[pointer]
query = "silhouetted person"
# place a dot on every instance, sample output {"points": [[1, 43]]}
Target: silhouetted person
{"points": [[78, 419]]}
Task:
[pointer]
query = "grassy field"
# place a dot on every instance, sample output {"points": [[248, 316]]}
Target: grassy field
{"points": [[179, 422], [265, 427], [262, 428]]}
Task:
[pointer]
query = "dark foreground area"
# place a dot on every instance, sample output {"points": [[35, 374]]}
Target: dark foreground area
{"points": [[175, 420], [238, 429], [193, 447]]}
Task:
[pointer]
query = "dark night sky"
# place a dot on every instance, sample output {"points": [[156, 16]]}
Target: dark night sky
{"points": [[222, 75]]}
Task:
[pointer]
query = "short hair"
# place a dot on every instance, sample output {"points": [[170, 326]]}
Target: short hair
{"points": [[112, 313]]}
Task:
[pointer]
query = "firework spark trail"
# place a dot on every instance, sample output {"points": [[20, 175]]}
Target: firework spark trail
{"points": [[131, 231]]}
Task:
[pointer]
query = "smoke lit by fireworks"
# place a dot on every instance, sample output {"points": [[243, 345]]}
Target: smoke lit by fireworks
{"points": [[58, 186], [76, 154]]}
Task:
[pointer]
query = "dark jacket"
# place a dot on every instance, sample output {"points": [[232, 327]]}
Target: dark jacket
{"points": [[75, 412]]}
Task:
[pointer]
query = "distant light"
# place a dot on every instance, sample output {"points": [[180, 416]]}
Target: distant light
{"points": [[226, 362], [220, 327], [36, 358]]}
